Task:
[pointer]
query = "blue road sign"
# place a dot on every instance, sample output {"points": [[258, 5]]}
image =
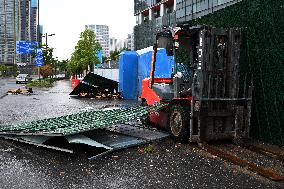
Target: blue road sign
{"points": [[100, 55], [39, 57], [39, 61], [39, 51], [25, 47]]}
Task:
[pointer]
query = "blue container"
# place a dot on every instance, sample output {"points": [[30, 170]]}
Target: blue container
{"points": [[128, 74]]}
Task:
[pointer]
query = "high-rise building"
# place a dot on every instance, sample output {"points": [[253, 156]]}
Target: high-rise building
{"points": [[18, 22], [25, 27], [102, 36], [112, 44], [120, 44], [28, 27], [9, 30], [33, 20], [152, 15], [130, 42], [117, 45]]}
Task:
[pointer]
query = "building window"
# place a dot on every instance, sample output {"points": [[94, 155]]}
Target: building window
{"points": [[137, 19]]}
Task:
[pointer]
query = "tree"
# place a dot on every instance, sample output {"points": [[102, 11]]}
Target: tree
{"points": [[3, 68], [84, 55], [105, 59], [63, 66], [114, 55], [46, 71]]}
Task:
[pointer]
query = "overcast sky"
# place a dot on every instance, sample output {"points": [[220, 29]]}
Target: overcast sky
{"points": [[67, 18]]}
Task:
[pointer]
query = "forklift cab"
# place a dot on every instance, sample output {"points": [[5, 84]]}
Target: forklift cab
{"points": [[177, 43]]}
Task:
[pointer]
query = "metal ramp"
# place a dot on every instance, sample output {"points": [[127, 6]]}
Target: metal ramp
{"points": [[100, 131]]}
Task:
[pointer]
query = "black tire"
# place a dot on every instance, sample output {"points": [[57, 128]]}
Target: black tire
{"points": [[179, 123]]}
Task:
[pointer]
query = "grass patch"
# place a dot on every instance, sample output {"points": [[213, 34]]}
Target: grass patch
{"points": [[41, 83]]}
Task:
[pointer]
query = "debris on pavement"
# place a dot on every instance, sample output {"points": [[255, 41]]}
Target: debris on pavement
{"points": [[115, 157], [20, 91], [96, 86], [101, 131]]}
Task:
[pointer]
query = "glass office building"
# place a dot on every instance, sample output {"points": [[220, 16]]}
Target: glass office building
{"points": [[152, 15]]}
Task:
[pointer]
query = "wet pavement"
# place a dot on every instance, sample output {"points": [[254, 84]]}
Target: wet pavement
{"points": [[6, 84], [170, 165]]}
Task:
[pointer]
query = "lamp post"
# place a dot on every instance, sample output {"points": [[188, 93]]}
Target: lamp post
{"points": [[45, 35]]}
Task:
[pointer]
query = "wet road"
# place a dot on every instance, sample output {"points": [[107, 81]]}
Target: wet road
{"points": [[171, 165], [6, 84]]}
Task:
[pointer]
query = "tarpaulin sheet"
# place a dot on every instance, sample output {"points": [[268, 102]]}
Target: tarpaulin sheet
{"points": [[163, 67], [128, 70]]}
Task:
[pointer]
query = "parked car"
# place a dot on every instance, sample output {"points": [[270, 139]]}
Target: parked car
{"points": [[23, 78]]}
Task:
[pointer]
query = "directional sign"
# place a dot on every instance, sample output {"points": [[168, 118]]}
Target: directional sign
{"points": [[39, 52], [39, 57], [39, 61], [25, 47]]}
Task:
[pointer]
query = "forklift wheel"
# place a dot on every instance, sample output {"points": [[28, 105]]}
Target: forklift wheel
{"points": [[179, 123]]}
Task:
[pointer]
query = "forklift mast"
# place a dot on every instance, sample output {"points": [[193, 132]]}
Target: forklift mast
{"points": [[218, 108]]}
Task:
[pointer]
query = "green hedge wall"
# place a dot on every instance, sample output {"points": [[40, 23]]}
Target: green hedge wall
{"points": [[263, 23]]}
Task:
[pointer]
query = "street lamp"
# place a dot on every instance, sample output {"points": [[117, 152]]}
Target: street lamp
{"points": [[45, 35]]}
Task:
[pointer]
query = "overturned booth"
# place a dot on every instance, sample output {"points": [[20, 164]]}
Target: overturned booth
{"points": [[96, 86]]}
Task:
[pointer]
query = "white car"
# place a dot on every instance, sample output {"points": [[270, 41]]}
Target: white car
{"points": [[23, 78]]}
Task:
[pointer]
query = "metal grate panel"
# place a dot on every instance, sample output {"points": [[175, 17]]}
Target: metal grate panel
{"points": [[79, 122]]}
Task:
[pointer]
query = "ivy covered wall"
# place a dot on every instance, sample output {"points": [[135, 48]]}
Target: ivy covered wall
{"points": [[263, 23]]}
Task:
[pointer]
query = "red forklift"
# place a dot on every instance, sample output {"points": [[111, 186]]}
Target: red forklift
{"points": [[203, 96]]}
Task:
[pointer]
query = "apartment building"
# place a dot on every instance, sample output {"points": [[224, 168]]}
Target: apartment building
{"points": [[102, 36]]}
